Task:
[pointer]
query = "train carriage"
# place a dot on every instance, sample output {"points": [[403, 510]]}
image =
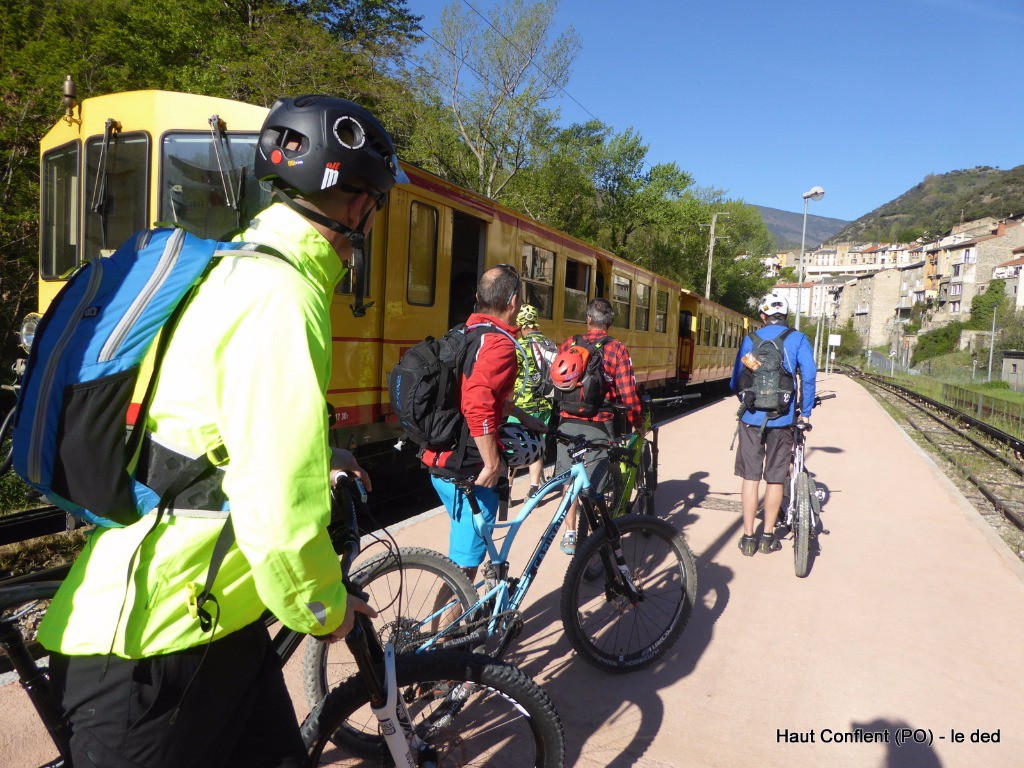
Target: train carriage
{"points": [[123, 162]]}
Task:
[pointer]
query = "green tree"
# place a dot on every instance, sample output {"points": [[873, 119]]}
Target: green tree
{"points": [[254, 50], [983, 305], [495, 75]]}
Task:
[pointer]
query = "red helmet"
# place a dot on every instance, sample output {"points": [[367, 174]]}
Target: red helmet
{"points": [[568, 368]]}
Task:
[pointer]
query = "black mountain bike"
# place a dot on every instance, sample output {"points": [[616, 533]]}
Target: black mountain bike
{"points": [[802, 499]]}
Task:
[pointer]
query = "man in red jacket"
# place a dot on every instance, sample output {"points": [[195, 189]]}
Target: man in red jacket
{"points": [[487, 383]]}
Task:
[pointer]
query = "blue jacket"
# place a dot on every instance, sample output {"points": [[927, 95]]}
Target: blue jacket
{"points": [[797, 355]]}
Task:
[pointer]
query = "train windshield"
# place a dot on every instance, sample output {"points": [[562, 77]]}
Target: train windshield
{"points": [[116, 190], [207, 185]]}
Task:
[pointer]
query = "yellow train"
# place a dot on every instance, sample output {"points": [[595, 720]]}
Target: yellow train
{"points": [[126, 161]]}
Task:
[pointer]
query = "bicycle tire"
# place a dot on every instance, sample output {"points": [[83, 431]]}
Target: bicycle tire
{"points": [[663, 569], [802, 527], [6, 442], [424, 575], [507, 720]]}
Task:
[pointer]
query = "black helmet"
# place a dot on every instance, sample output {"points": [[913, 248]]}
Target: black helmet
{"points": [[316, 142]]}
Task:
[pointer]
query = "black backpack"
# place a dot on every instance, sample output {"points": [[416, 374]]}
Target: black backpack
{"points": [[425, 389], [584, 395], [768, 386]]}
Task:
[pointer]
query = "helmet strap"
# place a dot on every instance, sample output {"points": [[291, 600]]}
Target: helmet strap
{"points": [[355, 237]]}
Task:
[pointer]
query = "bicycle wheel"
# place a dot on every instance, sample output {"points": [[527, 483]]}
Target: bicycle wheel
{"points": [[404, 590], [601, 624], [6, 443], [802, 526], [472, 710]]}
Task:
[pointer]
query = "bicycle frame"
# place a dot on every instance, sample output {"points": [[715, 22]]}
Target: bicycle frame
{"points": [[506, 598]]}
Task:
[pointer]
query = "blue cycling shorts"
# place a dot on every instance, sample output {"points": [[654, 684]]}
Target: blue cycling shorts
{"points": [[466, 547]]}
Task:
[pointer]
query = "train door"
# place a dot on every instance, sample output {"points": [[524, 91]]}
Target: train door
{"points": [[469, 240], [685, 359]]}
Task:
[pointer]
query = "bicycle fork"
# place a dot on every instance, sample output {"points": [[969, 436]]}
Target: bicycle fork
{"points": [[614, 561], [403, 744]]}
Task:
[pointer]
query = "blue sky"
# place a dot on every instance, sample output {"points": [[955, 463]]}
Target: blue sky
{"points": [[768, 99]]}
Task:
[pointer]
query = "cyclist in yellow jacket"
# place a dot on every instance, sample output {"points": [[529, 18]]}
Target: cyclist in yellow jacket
{"points": [[243, 379]]}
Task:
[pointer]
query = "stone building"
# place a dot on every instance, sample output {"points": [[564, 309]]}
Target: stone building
{"points": [[871, 302]]}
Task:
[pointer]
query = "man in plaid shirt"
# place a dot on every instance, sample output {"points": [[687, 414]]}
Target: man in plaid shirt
{"points": [[620, 389]]}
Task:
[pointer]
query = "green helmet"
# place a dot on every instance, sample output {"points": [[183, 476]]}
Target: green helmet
{"points": [[527, 316]]}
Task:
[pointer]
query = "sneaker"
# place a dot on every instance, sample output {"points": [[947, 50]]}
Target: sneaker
{"points": [[769, 544], [748, 545], [569, 543], [534, 490]]}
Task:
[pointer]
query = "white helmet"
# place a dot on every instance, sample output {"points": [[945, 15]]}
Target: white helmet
{"points": [[520, 446], [773, 304]]}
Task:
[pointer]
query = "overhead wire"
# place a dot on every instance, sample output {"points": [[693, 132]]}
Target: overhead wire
{"points": [[529, 59]]}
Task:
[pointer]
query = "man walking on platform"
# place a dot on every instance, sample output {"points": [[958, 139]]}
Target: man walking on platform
{"points": [[769, 364]]}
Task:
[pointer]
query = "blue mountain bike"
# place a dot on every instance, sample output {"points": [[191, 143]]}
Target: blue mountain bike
{"points": [[627, 595]]}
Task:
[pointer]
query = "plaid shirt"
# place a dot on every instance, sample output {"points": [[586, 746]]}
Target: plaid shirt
{"points": [[618, 378]]}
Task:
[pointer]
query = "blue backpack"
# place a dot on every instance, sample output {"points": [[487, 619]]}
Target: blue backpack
{"points": [[74, 440]]}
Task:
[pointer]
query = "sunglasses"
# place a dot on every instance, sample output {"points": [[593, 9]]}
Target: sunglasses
{"points": [[379, 198], [519, 281]]}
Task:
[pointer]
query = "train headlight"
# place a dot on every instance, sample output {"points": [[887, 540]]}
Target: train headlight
{"points": [[28, 330]]}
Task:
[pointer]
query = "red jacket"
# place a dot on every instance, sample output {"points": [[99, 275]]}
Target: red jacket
{"points": [[487, 381]]}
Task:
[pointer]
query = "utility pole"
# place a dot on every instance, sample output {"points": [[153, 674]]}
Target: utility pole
{"points": [[711, 250]]}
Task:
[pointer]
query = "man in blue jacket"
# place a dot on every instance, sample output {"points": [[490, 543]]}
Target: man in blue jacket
{"points": [[769, 407]]}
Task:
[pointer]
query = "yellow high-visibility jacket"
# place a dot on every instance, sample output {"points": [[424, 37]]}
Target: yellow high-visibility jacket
{"points": [[248, 365]]}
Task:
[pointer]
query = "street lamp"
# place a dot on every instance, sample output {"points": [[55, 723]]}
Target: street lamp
{"points": [[814, 193]]}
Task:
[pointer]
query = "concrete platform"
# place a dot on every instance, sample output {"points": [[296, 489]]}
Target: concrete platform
{"points": [[910, 619]]}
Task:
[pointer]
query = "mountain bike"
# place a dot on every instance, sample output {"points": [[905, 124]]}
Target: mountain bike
{"points": [[633, 472], [802, 499], [445, 709], [623, 617]]}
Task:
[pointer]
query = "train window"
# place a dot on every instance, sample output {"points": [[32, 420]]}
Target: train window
{"points": [[58, 247], [422, 255], [116, 191], [700, 328], [643, 307], [661, 313], [209, 189], [707, 330], [622, 289], [538, 274], [577, 290]]}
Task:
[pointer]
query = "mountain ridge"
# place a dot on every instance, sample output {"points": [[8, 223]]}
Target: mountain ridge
{"points": [[933, 207], [787, 227]]}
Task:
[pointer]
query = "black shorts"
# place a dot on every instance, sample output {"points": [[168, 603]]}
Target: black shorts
{"points": [[764, 454], [596, 460], [232, 707]]}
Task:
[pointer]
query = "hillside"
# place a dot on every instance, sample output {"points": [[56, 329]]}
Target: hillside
{"points": [[940, 202], [787, 227]]}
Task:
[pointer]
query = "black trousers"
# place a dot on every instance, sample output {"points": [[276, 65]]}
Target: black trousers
{"points": [[224, 704]]}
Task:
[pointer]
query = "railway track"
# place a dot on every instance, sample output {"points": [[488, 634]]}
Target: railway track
{"points": [[988, 459]]}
